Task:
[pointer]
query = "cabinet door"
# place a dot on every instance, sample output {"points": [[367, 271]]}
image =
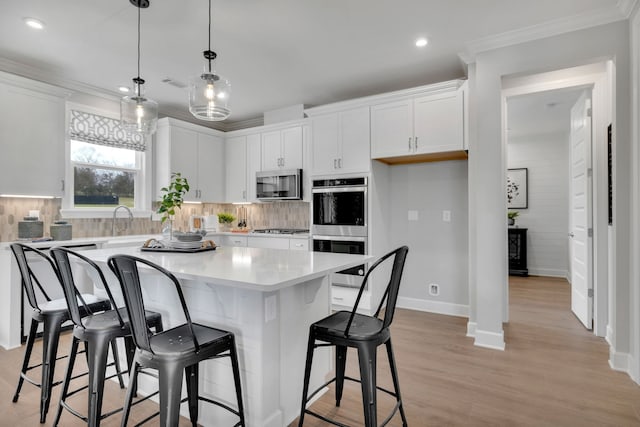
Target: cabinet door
{"points": [[438, 123], [184, 158], [254, 158], [324, 144], [292, 148], [299, 244], [268, 242], [354, 141], [232, 240], [32, 134], [392, 129], [271, 151], [211, 182], [236, 169]]}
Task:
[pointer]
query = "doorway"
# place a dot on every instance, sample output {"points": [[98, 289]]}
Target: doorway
{"points": [[537, 136]]}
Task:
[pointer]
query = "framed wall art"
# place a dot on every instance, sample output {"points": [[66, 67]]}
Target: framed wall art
{"points": [[517, 183]]}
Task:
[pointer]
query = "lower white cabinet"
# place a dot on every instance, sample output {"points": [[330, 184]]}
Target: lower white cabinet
{"points": [[343, 298], [299, 244], [231, 240], [268, 242]]}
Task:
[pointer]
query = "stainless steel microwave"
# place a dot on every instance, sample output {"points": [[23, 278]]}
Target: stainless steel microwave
{"points": [[279, 185]]}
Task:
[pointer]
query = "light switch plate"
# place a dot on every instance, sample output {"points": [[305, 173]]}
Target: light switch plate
{"points": [[412, 215], [446, 216]]}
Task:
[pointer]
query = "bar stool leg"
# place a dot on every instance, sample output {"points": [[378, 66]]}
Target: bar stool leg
{"points": [[396, 383], [67, 379], [367, 362], [170, 384], [133, 385], [27, 356], [236, 377], [341, 361], [116, 361], [98, 353], [307, 376], [191, 373], [52, 326]]}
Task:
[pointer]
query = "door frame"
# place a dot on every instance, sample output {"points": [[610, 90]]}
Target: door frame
{"points": [[598, 77]]}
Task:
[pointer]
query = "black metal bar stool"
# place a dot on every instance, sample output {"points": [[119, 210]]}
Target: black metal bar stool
{"points": [[52, 313], [170, 352], [345, 329], [98, 332]]}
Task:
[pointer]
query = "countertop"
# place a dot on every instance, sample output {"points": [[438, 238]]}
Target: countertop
{"points": [[248, 268]]}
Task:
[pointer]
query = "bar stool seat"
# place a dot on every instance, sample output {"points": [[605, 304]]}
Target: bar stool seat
{"points": [[345, 329], [98, 331], [52, 313]]}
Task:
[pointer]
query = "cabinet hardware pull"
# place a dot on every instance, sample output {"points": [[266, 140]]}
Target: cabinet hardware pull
{"points": [[62, 184], [335, 162], [409, 143], [244, 194], [340, 163], [416, 143]]}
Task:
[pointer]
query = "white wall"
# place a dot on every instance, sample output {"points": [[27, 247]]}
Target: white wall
{"points": [[546, 156], [438, 250], [582, 47]]}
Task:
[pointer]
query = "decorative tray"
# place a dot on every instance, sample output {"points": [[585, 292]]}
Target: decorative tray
{"points": [[153, 245]]}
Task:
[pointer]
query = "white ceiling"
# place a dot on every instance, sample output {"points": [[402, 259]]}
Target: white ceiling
{"points": [[276, 53]]}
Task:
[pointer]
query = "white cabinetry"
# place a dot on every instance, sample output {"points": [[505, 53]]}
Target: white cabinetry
{"points": [[299, 244], [282, 149], [194, 151], [32, 131], [420, 127], [242, 161], [232, 240], [268, 242], [340, 142]]}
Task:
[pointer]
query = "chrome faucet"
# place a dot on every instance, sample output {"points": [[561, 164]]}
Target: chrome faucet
{"points": [[115, 211]]}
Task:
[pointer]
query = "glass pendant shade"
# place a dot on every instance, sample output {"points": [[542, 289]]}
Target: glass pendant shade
{"points": [[209, 96], [138, 113]]}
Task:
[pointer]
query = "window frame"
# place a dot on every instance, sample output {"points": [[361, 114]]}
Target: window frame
{"points": [[143, 181]]}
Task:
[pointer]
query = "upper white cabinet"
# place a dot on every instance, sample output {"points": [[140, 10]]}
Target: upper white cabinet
{"points": [[194, 151], [421, 126], [242, 161], [340, 142], [282, 149], [32, 133]]}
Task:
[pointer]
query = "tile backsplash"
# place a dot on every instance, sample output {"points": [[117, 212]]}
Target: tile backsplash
{"points": [[259, 215]]}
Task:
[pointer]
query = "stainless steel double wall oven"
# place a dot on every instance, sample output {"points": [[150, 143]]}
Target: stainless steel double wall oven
{"points": [[340, 222]]}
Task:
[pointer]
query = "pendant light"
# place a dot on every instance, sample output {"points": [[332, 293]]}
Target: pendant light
{"points": [[138, 113], [209, 92]]}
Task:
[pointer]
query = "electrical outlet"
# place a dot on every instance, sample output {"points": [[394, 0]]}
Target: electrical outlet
{"points": [[434, 289], [446, 216]]}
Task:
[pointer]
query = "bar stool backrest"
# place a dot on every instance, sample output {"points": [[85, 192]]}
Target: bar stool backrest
{"points": [[62, 258], [29, 279], [390, 295], [126, 269]]}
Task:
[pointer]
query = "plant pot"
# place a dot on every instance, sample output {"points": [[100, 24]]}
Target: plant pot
{"points": [[511, 221]]}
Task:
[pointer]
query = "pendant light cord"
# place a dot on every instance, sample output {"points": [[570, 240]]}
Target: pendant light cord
{"points": [[209, 34], [139, 48]]}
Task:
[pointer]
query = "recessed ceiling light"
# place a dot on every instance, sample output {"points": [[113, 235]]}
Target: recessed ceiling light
{"points": [[34, 23], [422, 42], [123, 89]]}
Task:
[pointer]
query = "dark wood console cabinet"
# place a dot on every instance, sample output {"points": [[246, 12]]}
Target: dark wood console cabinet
{"points": [[517, 251]]}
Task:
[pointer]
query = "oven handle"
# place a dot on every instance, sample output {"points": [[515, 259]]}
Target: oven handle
{"points": [[341, 238], [338, 189]]}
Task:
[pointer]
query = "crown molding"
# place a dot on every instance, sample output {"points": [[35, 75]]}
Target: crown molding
{"points": [[592, 18]]}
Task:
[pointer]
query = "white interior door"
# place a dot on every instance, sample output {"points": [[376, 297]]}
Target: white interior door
{"points": [[581, 233]]}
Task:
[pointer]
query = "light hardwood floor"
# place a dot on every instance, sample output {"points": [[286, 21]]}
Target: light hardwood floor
{"points": [[552, 373]]}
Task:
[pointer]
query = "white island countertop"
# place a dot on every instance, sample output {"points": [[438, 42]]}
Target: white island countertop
{"points": [[241, 267]]}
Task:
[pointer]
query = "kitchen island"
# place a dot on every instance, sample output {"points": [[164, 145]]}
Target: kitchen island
{"points": [[267, 298]]}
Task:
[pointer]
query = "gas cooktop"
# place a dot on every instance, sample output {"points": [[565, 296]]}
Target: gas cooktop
{"points": [[281, 230]]}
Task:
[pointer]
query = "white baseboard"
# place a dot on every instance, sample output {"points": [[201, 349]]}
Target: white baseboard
{"points": [[609, 336], [548, 272], [619, 361], [471, 329], [433, 306], [490, 340]]}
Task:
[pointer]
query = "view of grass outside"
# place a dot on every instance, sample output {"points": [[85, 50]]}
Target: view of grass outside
{"points": [[103, 176]]}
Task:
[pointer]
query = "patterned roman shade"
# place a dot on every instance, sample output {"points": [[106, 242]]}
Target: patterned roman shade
{"points": [[102, 130]]}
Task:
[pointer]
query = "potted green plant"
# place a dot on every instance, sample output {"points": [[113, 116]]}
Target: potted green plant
{"points": [[226, 219], [172, 199], [511, 217]]}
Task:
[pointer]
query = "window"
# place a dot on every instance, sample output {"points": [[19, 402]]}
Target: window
{"points": [[105, 168], [103, 176]]}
